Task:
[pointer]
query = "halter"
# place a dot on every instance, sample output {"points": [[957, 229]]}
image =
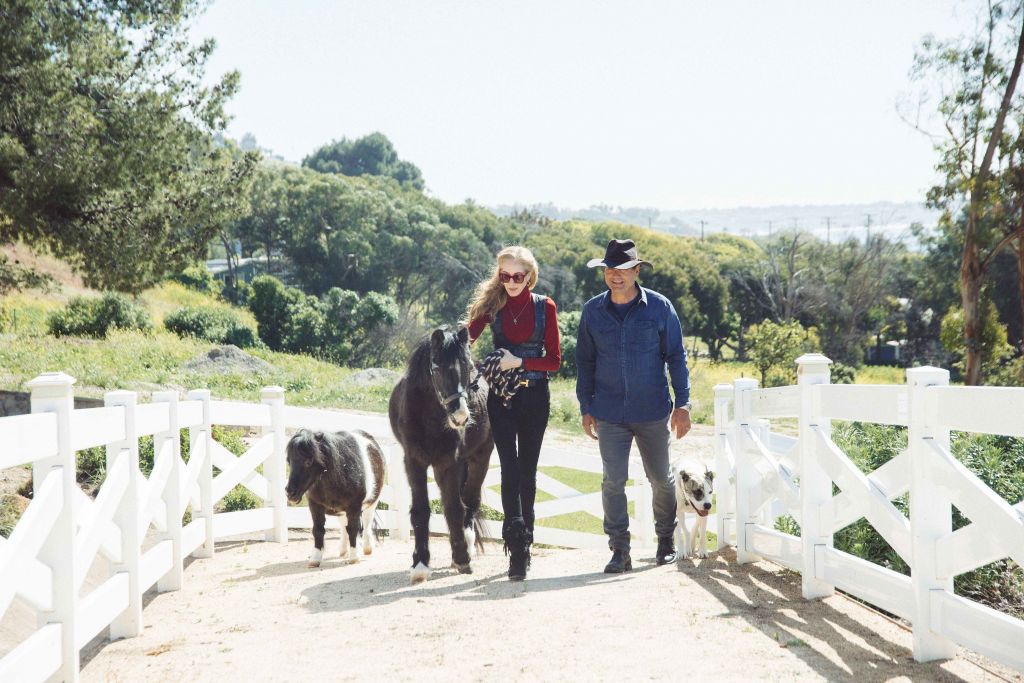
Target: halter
{"points": [[462, 393]]}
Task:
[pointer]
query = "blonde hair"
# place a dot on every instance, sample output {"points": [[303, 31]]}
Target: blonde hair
{"points": [[490, 295]]}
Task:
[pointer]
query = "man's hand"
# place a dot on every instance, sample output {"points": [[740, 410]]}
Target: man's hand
{"points": [[509, 361], [590, 426], [680, 422]]}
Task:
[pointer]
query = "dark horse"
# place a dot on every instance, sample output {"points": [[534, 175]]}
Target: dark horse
{"points": [[340, 473], [439, 415]]}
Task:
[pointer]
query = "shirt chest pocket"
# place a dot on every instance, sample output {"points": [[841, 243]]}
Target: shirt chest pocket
{"points": [[645, 336]]}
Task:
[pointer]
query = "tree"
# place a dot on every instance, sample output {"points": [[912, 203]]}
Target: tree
{"points": [[977, 77], [775, 347], [107, 154], [372, 154]]}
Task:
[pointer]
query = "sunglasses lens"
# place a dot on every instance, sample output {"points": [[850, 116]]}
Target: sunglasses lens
{"points": [[513, 277]]}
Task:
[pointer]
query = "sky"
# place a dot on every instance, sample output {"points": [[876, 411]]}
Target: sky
{"points": [[668, 104]]}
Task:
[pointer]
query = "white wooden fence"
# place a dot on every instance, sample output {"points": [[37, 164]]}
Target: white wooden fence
{"points": [[136, 522], [770, 474]]}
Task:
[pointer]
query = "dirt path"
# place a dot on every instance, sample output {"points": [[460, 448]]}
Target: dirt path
{"points": [[255, 612]]}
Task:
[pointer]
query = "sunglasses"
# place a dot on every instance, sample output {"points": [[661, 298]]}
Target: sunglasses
{"points": [[511, 277]]}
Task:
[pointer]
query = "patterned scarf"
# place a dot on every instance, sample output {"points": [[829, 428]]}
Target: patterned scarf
{"points": [[504, 383]]}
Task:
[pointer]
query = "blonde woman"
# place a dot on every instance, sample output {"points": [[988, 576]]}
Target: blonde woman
{"points": [[525, 328]]}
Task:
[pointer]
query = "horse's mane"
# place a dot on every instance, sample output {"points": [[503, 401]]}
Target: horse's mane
{"points": [[418, 370]]}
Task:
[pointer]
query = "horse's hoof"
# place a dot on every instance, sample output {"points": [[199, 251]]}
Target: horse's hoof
{"points": [[367, 551], [314, 558], [463, 568], [313, 564], [419, 573]]}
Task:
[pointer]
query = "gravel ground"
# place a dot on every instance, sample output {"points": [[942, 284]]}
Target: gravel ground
{"points": [[256, 612]]}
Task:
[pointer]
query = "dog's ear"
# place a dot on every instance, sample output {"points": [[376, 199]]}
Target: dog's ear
{"points": [[709, 475]]}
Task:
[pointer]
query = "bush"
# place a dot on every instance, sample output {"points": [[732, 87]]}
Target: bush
{"points": [[217, 325], [842, 374], [568, 327], [91, 317], [240, 498], [199, 278]]}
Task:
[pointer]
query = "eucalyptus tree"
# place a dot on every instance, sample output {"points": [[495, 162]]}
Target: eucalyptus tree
{"points": [[975, 81]]}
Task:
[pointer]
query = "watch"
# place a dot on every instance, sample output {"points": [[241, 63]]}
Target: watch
{"points": [[687, 406]]}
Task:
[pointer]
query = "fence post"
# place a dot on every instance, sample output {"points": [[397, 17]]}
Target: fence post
{"points": [[931, 513], [204, 432], [171, 581], [51, 393], [725, 498], [129, 623], [274, 468], [400, 494], [746, 475], [815, 484]]}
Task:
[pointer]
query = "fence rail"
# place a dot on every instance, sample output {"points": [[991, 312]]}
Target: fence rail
{"points": [[763, 480], [137, 523]]}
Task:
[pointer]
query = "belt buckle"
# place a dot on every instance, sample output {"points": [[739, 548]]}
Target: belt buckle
{"points": [[524, 382]]}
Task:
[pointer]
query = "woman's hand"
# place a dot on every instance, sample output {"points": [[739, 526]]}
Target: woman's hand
{"points": [[509, 361]]}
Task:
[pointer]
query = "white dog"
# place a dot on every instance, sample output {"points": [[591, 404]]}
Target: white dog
{"points": [[694, 486]]}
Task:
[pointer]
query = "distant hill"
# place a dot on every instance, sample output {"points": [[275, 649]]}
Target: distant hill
{"points": [[834, 221]]}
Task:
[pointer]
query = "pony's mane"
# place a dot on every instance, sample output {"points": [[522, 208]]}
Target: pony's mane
{"points": [[418, 370]]}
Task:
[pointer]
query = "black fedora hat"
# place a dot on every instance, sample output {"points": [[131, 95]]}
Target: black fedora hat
{"points": [[619, 254]]}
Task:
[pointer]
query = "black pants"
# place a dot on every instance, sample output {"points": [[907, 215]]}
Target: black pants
{"points": [[524, 421]]}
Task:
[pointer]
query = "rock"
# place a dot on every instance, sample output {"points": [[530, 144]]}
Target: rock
{"points": [[229, 358]]}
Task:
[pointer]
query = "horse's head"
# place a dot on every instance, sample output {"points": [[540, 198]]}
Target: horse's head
{"points": [[450, 365], [306, 461]]}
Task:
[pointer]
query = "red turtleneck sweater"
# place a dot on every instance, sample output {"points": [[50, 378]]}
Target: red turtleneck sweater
{"points": [[517, 333]]}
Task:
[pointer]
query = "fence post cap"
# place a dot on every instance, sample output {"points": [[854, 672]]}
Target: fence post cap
{"points": [[813, 359], [120, 397], [723, 389], [271, 392], [926, 375], [51, 380], [198, 394]]}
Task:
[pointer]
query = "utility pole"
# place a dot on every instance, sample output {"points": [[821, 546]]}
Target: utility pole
{"points": [[795, 225], [828, 229], [702, 224], [769, 228], [867, 229]]}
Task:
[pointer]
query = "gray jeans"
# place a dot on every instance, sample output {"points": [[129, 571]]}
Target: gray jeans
{"points": [[652, 439]]}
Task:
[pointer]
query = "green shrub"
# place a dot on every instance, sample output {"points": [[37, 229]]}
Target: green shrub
{"points": [[843, 374], [10, 513], [568, 327], [240, 498], [91, 317], [199, 278], [217, 325]]}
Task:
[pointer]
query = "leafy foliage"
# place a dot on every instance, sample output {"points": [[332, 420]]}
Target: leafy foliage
{"points": [[372, 154], [92, 317], [107, 151], [774, 349], [342, 327], [200, 279], [217, 325]]}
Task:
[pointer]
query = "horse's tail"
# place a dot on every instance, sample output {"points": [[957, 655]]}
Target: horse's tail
{"points": [[478, 527]]}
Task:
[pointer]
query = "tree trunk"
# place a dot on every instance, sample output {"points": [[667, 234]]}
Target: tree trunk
{"points": [[1020, 288], [970, 296], [972, 268]]}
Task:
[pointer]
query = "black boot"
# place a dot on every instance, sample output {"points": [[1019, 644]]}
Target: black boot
{"points": [[666, 551], [517, 547], [620, 562]]}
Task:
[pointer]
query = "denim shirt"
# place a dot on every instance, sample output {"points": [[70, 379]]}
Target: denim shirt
{"points": [[620, 374]]}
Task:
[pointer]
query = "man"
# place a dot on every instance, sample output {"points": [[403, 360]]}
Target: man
{"points": [[627, 336]]}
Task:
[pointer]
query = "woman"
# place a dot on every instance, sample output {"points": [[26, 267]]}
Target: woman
{"points": [[525, 328]]}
